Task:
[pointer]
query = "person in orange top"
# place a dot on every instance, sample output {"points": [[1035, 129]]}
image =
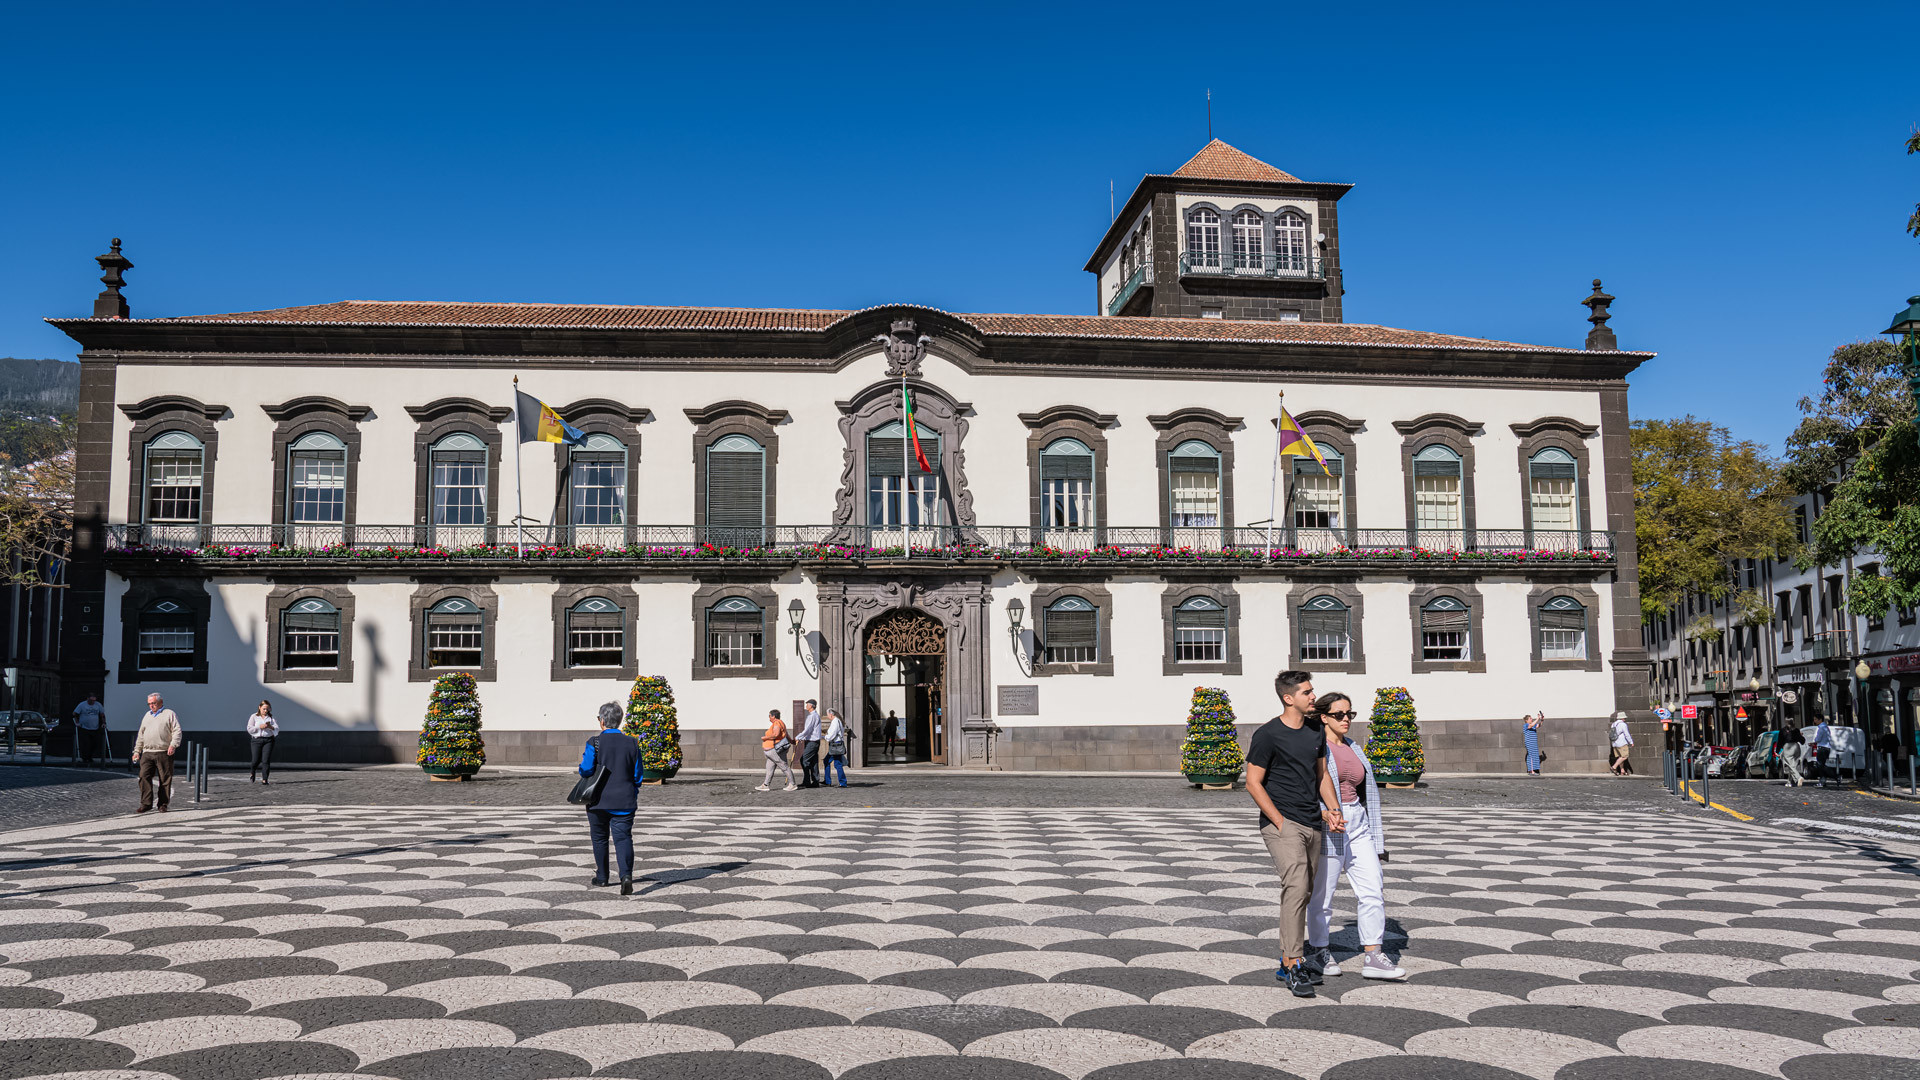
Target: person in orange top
{"points": [[774, 743]]}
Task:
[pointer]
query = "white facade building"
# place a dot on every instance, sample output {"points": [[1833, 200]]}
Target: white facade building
{"points": [[316, 505]]}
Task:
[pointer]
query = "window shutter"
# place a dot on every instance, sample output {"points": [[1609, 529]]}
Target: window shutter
{"points": [[1187, 463], [1574, 618], [1436, 468], [1072, 629], [884, 453], [1327, 622], [1443, 621], [723, 622], [1552, 470], [1308, 466], [1066, 466], [1204, 619], [594, 620], [735, 493]]}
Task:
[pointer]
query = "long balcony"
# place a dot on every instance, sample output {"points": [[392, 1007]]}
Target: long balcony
{"points": [[1142, 276], [1011, 544], [1267, 266]]}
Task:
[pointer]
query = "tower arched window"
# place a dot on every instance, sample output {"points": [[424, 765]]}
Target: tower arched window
{"points": [[893, 468], [317, 480], [1249, 242], [1203, 238], [1067, 485], [1436, 497], [175, 474], [1552, 476], [1193, 478], [597, 490], [1290, 243]]}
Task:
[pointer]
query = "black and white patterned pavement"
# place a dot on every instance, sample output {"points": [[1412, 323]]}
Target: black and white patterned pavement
{"points": [[888, 944]]}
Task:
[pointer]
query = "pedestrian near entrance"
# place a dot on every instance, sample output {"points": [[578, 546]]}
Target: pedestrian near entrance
{"points": [[153, 747], [1793, 755], [1358, 852], [1622, 745], [810, 746], [610, 814], [775, 743], [90, 727], [837, 748], [262, 730], [1822, 750], [1533, 741], [1288, 779]]}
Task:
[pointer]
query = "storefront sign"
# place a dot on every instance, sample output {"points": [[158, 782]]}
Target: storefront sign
{"points": [[1903, 662], [1789, 697], [1689, 712], [1018, 701]]}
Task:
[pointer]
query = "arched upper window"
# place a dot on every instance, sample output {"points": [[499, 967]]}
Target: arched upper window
{"points": [[317, 480], [890, 456], [1319, 496], [1203, 238], [1193, 477], [597, 482], [175, 468], [1325, 630], [1067, 485], [166, 637], [1249, 242], [456, 634], [596, 634], [1200, 631], [1552, 476], [459, 472], [1445, 630], [310, 634], [1071, 631], [736, 491], [1563, 629], [1290, 242], [736, 633], [1436, 489]]}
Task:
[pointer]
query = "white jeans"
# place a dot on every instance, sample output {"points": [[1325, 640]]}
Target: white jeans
{"points": [[1351, 851]]}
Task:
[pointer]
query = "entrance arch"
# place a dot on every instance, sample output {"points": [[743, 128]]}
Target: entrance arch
{"points": [[904, 701]]}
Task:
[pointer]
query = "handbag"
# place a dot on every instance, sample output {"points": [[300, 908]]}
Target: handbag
{"points": [[586, 790], [837, 746]]}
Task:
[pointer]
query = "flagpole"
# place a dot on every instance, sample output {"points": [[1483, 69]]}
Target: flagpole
{"points": [[906, 473], [519, 521], [1273, 482]]}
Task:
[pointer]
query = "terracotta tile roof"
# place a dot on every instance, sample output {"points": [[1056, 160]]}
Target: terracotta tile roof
{"points": [[1218, 161], [653, 317]]}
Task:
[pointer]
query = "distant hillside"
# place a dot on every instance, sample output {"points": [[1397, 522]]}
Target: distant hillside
{"points": [[52, 385]]}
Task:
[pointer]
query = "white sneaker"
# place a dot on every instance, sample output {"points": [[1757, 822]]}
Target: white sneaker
{"points": [[1377, 966], [1323, 959], [763, 787], [791, 787]]}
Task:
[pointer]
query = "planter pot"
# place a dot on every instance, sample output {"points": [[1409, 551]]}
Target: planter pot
{"points": [[1397, 779], [655, 776], [1213, 780], [449, 772]]}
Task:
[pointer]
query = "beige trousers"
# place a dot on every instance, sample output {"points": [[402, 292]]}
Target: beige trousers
{"points": [[1296, 858]]}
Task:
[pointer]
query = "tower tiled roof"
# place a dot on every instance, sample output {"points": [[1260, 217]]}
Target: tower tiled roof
{"points": [[1218, 161]]}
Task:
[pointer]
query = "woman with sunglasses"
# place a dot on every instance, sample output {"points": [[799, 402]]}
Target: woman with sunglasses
{"points": [[1358, 851]]}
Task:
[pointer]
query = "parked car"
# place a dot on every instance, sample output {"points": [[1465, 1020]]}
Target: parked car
{"points": [[24, 727], [1763, 757], [1728, 761]]}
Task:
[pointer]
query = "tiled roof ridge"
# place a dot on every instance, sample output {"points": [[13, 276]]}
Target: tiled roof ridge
{"points": [[1219, 160]]}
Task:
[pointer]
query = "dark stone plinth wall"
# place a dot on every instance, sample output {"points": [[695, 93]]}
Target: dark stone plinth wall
{"points": [[1453, 746]]}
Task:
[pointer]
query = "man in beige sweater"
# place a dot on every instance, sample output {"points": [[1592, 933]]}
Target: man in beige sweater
{"points": [[153, 747]]}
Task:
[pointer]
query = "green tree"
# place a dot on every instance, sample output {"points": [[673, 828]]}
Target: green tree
{"points": [[1857, 444], [1211, 748], [1701, 500]]}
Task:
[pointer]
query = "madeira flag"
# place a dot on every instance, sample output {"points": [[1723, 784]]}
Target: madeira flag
{"points": [[1295, 443], [539, 423]]}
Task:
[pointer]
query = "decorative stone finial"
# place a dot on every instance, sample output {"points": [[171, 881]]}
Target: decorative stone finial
{"points": [[110, 304], [1600, 337], [904, 349]]}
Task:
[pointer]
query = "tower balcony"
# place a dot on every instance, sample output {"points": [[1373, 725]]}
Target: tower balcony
{"points": [[1142, 276], [1268, 266]]}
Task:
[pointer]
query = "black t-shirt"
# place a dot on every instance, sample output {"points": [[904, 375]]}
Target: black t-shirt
{"points": [[1293, 778]]}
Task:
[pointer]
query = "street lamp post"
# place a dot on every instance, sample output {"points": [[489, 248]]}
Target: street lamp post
{"points": [[1906, 326]]}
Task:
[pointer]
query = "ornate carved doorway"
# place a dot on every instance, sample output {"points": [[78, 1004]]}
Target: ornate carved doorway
{"points": [[904, 718]]}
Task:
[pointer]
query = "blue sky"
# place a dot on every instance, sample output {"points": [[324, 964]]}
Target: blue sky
{"points": [[1734, 173]]}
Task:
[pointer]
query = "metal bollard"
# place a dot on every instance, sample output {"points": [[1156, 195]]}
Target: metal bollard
{"points": [[1913, 782], [1706, 787], [200, 774]]}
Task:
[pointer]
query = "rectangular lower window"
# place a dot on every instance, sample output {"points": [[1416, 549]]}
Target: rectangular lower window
{"points": [[310, 641], [1199, 645], [595, 640], [455, 640], [166, 649]]}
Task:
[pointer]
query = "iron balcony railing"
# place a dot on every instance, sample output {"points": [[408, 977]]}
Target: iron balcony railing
{"points": [[1142, 276], [946, 541], [1718, 684], [1833, 645], [1266, 265]]}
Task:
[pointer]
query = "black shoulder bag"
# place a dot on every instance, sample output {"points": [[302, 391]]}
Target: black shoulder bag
{"points": [[586, 790]]}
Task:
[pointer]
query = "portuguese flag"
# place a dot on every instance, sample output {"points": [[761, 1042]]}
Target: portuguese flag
{"points": [[913, 433]]}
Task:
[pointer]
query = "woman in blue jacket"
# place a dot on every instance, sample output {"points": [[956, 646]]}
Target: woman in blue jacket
{"points": [[611, 813], [1358, 851]]}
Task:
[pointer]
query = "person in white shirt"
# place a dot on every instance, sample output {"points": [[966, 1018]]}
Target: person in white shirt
{"points": [[1822, 748], [838, 747], [263, 729], [809, 746], [153, 747], [90, 723], [1622, 741]]}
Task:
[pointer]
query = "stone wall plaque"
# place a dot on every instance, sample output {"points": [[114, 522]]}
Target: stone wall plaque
{"points": [[1017, 701]]}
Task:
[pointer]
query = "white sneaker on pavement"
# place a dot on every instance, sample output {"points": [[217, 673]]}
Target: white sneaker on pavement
{"points": [[763, 787], [1322, 958], [791, 787], [1377, 966]]}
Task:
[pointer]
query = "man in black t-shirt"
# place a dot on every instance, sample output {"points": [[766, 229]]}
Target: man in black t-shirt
{"points": [[1287, 777]]}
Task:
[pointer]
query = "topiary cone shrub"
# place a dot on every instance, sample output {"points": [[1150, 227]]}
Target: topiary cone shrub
{"points": [[652, 720], [450, 742], [1393, 737], [1211, 753]]}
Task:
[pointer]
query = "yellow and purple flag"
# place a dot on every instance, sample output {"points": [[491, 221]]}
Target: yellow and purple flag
{"points": [[539, 423], [1295, 443]]}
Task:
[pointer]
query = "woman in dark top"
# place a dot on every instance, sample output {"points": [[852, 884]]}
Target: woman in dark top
{"points": [[611, 814]]}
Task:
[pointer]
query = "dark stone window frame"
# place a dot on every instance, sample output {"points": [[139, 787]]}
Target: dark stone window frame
{"points": [[1067, 422], [719, 420], [600, 416], [300, 417], [1477, 640], [1537, 598], [1328, 428], [447, 416], [1562, 433], [1212, 428], [278, 601], [878, 405], [423, 599], [1347, 592], [1225, 595], [144, 592], [1443, 429], [769, 600], [1102, 600], [625, 595], [154, 417]]}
